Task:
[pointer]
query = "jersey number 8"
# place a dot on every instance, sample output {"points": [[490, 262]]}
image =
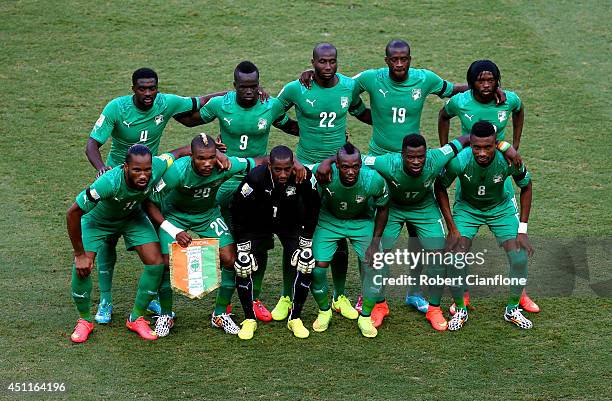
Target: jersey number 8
{"points": [[481, 190]]}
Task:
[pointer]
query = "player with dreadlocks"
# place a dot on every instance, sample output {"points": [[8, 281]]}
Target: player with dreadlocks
{"points": [[478, 104]]}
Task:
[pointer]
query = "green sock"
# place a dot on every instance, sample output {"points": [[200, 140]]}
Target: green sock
{"points": [[149, 282], [367, 306], [339, 268], [435, 272], [165, 293], [225, 292], [289, 274], [371, 285], [81, 294], [106, 258], [518, 269], [319, 287], [258, 276]]}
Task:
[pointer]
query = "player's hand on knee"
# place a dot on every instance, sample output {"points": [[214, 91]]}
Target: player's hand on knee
{"points": [[183, 239], [245, 264], [83, 264], [523, 243], [452, 240]]}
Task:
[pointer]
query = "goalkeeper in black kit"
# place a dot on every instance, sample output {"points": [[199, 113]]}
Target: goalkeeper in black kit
{"points": [[270, 201]]}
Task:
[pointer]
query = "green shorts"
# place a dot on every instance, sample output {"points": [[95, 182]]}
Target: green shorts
{"points": [[329, 232], [136, 230], [205, 225], [503, 220], [425, 218]]}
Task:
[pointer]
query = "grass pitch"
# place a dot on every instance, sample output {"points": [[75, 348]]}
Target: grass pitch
{"points": [[61, 62]]}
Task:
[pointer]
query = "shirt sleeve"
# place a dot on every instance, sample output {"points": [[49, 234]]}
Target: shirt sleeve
{"points": [[450, 173], [286, 95], [521, 176], [362, 80], [437, 85], [240, 165], [451, 107], [513, 101], [441, 156], [103, 128], [101, 189], [169, 180], [209, 111], [357, 106], [381, 197], [279, 115], [179, 104]]}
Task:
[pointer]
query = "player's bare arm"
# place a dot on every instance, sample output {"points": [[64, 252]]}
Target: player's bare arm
{"points": [[92, 151], [443, 126], [84, 261], [518, 119], [158, 219], [443, 202], [290, 127], [382, 215]]}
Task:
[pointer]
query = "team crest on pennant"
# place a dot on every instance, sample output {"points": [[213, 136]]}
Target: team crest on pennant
{"points": [[290, 190], [159, 119], [416, 94], [501, 115], [344, 102], [194, 271], [359, 198], [262, 123]]}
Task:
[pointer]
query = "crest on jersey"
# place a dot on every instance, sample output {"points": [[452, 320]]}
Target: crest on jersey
{"points": [[159, 119], [359, 198], [428, 183], [246, 190], [416, 94], [100, 120], [502, 115], [262, 123], [290, 190], [344, 102], [497, 179], [160, 185]]}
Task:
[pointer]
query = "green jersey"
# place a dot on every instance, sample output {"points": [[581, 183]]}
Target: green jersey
{"points": [[244, 131], [483, 187], [408, 191], [397, 106], [470, 111], [357, 202], [127, 125], [109, 197], [321, 115], [186, 191]]}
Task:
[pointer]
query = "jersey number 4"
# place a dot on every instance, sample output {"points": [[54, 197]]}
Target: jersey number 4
{"points": [[329, 123], [144, 135]]}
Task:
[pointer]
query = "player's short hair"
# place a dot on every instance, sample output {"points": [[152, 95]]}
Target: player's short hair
{"points": [[202, 141], [137, 149], [245, 67], [280, 152], [323, 46], [480, 66], [144, 73], [483, 129], [396, 44], [348, 149], [413, 141]]}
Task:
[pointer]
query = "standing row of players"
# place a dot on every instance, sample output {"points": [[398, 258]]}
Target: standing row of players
{"points": [[111, 207]]}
